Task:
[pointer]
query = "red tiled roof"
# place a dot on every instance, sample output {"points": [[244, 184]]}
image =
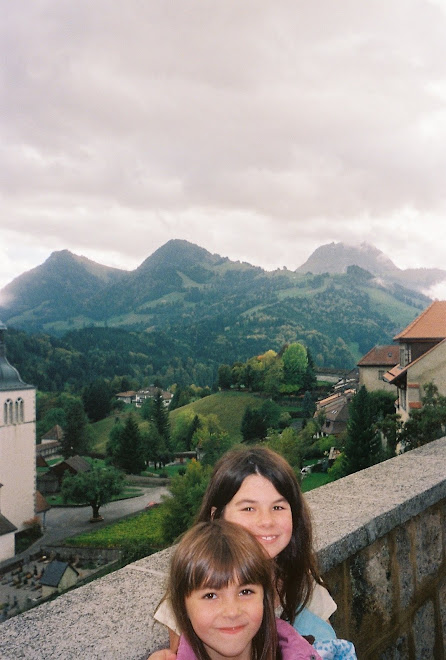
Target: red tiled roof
{"points": [[430, 324], [381, 356]]}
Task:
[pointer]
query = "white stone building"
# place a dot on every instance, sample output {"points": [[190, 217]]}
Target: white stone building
{"points": [[17, 452]]}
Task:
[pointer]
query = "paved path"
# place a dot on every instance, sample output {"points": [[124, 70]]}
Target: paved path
{"points": [[61, 522]]}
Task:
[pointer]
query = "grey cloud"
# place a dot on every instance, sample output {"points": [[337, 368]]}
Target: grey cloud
{"points": [[308, 116]]}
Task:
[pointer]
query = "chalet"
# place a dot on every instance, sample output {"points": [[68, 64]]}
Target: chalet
{"points": [[375, 364], [335, 411], [150, 393], [422, 358], [57, 577], [140, 396], [127, 397], [50, 443], [73, 465]]}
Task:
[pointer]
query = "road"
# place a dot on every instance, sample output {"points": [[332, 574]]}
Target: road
{"points": [[61, 522]]}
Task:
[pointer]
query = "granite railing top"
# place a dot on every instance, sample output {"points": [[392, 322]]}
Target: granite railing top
{"points": [[111, 618]]}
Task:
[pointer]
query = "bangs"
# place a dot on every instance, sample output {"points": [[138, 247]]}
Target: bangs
{"points": [[229, 566]]}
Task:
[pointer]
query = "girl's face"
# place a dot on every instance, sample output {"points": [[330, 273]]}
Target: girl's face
{"points": [[226, 619], [263, 511]]}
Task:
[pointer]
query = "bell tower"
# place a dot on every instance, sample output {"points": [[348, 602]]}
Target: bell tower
{"points": [[17, 449]]}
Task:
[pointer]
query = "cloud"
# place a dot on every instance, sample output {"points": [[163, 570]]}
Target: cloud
{"points": [[256, 129]]}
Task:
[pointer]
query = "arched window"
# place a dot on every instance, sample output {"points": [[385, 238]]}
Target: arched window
{"points": [[21, 415], [8, 412]]}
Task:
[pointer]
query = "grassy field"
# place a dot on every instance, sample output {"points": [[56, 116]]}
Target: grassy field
{"points": [[314, 480], [228, 406], [101, 430], [138, 531]]}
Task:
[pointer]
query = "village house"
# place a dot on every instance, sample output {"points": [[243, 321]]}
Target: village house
{"points": [[422, 359], [140, 396], [50, 442], [374, 365], [57, 577], [334, 410]]}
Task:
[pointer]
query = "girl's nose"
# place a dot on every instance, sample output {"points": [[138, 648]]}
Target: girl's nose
{"points": [[265, 519], [231, 608]]}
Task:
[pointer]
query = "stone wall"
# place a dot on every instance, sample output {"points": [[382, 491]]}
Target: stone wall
{"points": [[380, 536]]}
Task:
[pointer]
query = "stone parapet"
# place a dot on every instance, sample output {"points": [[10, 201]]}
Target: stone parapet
{"points": [[380, 536]]}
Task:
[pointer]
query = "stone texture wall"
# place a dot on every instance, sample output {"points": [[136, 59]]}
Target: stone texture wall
{"points": [[392, 594], [380, 536]]}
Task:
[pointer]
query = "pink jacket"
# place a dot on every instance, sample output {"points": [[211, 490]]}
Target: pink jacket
{"points": [[292, 645]]}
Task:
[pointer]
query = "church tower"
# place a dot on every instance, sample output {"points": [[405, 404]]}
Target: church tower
{"points": [[17, 451]]}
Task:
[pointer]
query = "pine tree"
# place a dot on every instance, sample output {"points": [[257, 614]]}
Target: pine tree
{"points": [[160, 417], [76, 438], [129, 450], [362, 446]]}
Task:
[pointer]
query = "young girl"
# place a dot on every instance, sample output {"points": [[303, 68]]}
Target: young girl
{"points": [[222, 594], [257, 489]]}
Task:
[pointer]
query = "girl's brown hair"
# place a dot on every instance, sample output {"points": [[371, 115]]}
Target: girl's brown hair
{"points": [[296, 565], [214, 554]]}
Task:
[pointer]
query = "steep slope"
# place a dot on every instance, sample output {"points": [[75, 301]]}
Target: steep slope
{"points": [[56, 290]]}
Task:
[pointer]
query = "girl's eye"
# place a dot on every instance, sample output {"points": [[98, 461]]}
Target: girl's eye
{"points": [[248, 508], [210, 596], [246, 592], [278, 507]]}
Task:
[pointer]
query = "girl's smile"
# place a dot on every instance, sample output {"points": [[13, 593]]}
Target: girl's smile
{"points": [[263, 511], [226, 619]]}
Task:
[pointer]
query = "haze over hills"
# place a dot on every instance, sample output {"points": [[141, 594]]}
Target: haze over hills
{"points": [[337, 257], [340, 303]]}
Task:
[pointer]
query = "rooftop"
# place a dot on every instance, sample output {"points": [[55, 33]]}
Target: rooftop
{"points": [[378, 356], [430, 324]]}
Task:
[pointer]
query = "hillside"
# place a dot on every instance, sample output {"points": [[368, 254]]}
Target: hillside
{"points": [[185, 311], [228, 406]]}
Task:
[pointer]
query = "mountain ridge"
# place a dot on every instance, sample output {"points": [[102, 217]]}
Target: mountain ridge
{"points": [[207, 304]]}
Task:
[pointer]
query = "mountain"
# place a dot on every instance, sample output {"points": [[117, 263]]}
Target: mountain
{"points": [[337, 257], [189, 310], [58, 289]]}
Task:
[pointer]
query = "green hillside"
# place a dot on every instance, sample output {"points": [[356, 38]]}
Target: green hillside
{"points": [[228, 406]]}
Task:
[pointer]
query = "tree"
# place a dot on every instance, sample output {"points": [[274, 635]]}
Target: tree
{"points": [[257, 421], [128, 449], [362, 445], [76, 437], [154, 448], [295, 363], [97, 398], [273, 377], [95, 488], [180, 509], [212, 440], [160, 417], [224, 376], [308, 405], [309, 381], [288, 445], [427, 423]]}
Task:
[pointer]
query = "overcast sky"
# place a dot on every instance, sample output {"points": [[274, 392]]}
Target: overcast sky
{"points": [[256, 129]]}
